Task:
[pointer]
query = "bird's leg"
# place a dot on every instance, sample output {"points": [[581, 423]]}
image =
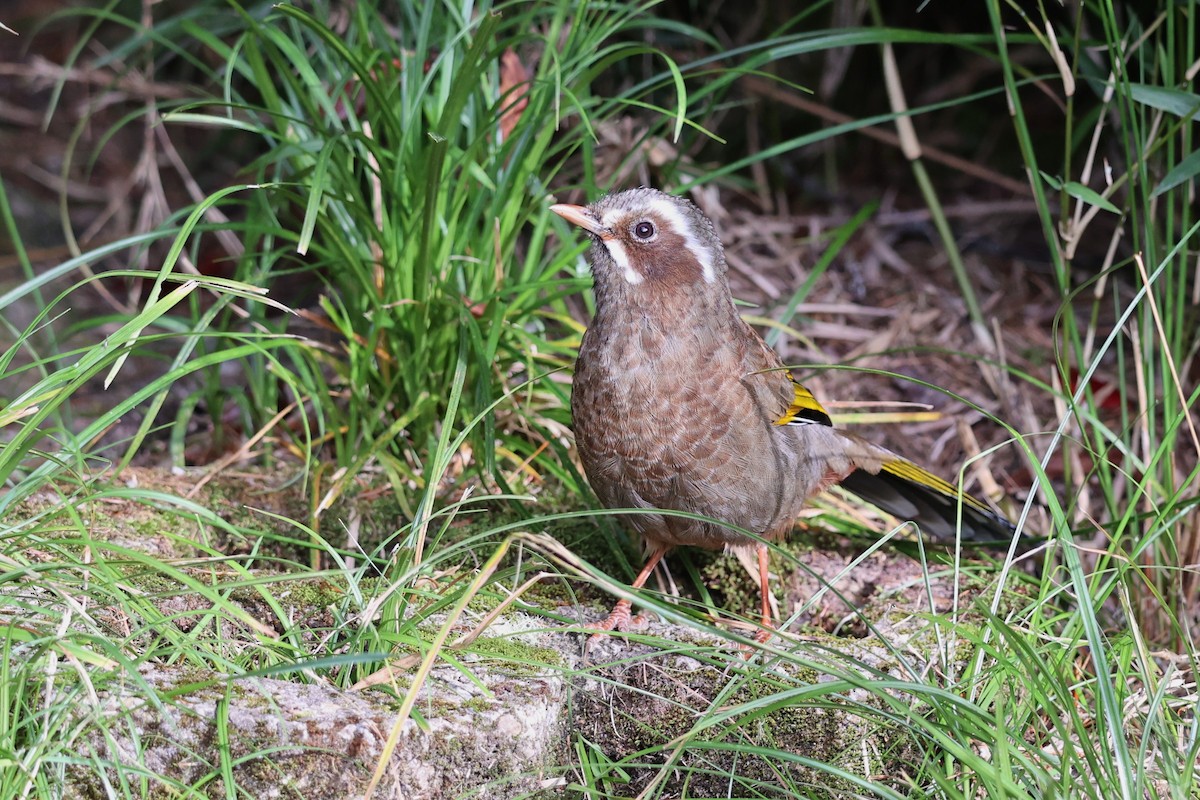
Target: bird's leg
{"points": [[620, 618], [764, 582]]}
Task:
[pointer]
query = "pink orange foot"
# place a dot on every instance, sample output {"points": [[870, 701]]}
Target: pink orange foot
{"points": [[761, 637], [619, 620]]}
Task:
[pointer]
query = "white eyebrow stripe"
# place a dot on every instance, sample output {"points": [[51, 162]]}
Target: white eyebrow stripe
{"points": [[669, 211], [610, 217]]}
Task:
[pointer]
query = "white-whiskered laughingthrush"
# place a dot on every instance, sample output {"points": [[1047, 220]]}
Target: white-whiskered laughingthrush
{"points": [[678, 404]]}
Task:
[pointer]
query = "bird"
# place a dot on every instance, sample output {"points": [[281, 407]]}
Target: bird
{"points": [[679, 405]]}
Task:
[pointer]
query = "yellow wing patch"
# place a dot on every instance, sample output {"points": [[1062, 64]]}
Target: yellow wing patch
{"points": [[804, 410], [913, 474]]}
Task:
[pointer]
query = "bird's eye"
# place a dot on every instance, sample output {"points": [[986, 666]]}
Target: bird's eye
{"points": [[645, 230]]}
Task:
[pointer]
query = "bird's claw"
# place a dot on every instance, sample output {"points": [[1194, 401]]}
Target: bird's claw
{"points": [[621, 620]]}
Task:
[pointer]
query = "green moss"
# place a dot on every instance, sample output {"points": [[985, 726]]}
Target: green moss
{"points": [[305, 594], [153, 583], [476, 704], [518, 657]]}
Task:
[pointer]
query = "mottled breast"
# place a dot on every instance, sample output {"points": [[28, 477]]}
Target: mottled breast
{"points": [[664, 419]]}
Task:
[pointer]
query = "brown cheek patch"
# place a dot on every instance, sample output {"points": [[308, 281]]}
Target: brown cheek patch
{"points": [[668, 260]]}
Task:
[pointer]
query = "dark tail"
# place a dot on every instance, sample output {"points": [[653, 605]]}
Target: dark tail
{"points": [[908, 492]]}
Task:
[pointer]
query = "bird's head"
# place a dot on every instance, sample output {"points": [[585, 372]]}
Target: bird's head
{"points": [[647, 243]]}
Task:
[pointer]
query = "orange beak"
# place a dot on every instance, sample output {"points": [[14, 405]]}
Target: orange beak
{"points": [[581, 216]]}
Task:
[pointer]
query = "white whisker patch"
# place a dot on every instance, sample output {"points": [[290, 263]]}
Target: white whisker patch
{"points": [[617, 251], [669, 212]]}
